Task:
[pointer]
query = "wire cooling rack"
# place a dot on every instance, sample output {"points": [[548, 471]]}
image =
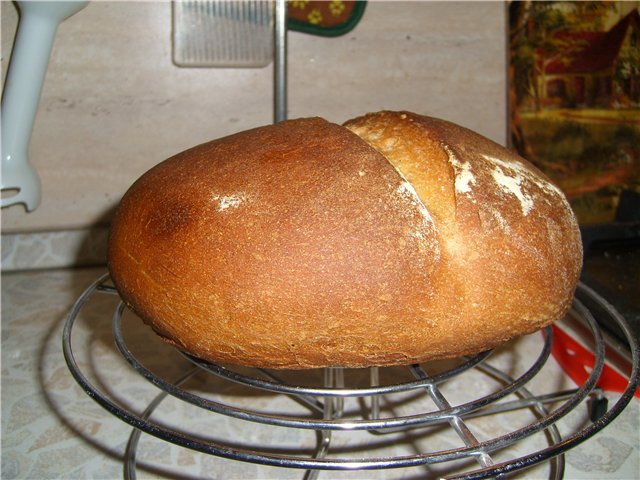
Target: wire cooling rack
{"points": [[324, 412]]}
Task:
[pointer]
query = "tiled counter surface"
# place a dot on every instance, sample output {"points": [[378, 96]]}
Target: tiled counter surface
{"points": [[52, 429]]}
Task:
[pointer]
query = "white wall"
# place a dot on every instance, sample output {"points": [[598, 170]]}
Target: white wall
{"points": [[113, 103]]}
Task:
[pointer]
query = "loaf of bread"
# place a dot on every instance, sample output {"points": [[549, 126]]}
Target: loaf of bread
{"points": [[394, 239]]}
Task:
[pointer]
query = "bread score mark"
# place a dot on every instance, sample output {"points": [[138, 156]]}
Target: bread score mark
{"points": [[513, 185], [426, 230], [464, 177], [511, 177]]}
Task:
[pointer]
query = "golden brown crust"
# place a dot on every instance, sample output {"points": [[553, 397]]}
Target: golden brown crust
{"points": [[298, 245]]}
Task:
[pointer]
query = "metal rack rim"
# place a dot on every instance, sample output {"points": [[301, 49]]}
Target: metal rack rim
{"points": [[240, 454], [336, 424], [335, 391]]}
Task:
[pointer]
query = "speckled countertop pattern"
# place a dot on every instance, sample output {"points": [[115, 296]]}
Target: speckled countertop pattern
{"points": [[52, 429]]}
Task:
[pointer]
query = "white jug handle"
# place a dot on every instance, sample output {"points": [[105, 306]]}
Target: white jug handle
{"points": [[39, 21]]}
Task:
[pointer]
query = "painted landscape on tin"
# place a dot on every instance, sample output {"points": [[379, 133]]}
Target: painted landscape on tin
{"points": [[574, 85]]}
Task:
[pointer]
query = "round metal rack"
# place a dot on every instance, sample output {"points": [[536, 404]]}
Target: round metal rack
{"points": [[324, 402]]}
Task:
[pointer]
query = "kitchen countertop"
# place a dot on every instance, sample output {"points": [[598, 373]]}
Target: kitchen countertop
{"points": [[52, 429]]}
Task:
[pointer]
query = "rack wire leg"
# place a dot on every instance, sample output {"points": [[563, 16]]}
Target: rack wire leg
{"points": [[455, 421], [333, 408], [132, 445]]}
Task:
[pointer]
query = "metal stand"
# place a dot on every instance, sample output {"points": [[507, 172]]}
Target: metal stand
{"points": [[280, 61], [326, 403]]}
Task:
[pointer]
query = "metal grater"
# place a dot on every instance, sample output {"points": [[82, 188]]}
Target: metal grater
{"points": [[222, 33]]}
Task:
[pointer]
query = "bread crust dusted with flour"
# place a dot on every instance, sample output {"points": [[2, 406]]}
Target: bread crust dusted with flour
{"points": [[393, 239]]}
